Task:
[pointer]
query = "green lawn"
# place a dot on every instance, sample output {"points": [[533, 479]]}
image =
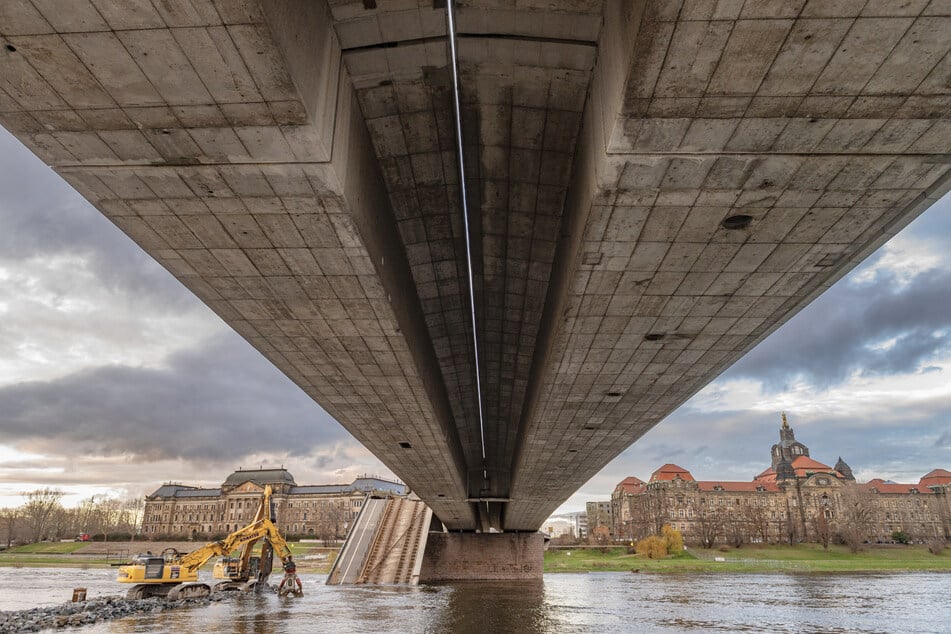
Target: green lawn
{"points": [[48, 548], [64, 554], [800, 558]]}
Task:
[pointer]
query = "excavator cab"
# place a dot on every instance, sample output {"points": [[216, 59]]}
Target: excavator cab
{"points": [[230, 568], [154, 566]]}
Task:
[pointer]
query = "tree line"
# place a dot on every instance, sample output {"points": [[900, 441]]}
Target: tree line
{"points": [[42, 517]]}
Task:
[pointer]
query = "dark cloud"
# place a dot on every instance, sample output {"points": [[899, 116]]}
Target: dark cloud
{"points": [[41, 215], [219, 400], [897, 442], [842, 332]]}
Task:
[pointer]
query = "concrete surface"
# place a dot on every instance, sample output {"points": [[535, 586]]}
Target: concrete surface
{"points": [[292, 164], [483, 557]]}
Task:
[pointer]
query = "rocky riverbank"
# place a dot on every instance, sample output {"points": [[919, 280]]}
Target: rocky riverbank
{"points": [[94, 611]]}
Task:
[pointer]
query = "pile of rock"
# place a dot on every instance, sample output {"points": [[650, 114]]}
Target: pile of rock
{"points": [[92, 611]]}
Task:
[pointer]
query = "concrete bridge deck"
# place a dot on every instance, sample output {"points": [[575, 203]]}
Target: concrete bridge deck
{"points": [[657, 185]]}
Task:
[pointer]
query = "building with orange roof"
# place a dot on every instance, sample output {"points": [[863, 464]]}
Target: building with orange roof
{"points": [[936, 478], [621, 497], [797, 498], [671, 472]]}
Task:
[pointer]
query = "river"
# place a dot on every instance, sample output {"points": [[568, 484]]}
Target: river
{"points": [[595, 602]]}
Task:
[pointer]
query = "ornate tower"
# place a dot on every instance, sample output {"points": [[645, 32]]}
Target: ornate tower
{"points": [[844, 469], [788, 448]]}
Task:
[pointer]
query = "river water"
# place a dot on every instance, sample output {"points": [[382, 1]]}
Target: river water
{"points": [[595, 602]]}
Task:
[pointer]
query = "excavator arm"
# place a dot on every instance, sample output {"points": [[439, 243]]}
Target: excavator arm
{"points": [[277, 542], [260, 527], [152, 574], [245, 536]]}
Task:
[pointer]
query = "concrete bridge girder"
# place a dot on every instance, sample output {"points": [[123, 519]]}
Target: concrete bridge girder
{"points": [[291, 163]]}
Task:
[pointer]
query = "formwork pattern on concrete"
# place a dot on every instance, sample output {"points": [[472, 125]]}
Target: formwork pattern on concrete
{"points": [[522, 101], [181, 122], [824, 122], [292, 164]]}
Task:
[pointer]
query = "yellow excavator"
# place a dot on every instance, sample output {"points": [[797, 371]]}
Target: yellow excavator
{"points": [[175, 575]]}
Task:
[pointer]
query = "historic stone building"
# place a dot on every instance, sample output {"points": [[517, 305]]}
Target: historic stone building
{"points": [[321, 511], [599, 515], [796, 499]]}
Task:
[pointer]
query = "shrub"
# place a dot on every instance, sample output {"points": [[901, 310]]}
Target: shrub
{"points": [[652, 547], [936, 546], [674, 540], [901, 537]]}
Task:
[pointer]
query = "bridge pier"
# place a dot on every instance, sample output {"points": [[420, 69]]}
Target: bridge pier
{"points": [[482, 557]]}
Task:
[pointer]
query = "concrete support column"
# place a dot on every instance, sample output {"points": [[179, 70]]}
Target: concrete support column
{"points": [[482, 557]]}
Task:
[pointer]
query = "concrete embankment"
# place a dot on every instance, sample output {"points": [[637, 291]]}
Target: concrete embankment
{"points": [[88, 612]]}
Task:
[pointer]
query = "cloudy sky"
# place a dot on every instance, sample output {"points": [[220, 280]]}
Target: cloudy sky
{"points": [[114, 378]]}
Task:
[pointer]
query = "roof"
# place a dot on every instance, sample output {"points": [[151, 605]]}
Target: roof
{"points": [[378, 484], [882, 486], [181, 491], [738, 487], [631, 485], [260, 476], [769, 474], [805, 462], [322, 488], [935, 477], [670, 472], [364, 485], [804, 465], [198, 493]]}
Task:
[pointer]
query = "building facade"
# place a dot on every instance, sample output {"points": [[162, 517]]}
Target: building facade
{"points": [[599, 515], [322, 511], [566, 525], [796, 499]]}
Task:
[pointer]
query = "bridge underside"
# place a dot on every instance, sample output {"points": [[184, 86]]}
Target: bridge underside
{"points": [[656, 186]]}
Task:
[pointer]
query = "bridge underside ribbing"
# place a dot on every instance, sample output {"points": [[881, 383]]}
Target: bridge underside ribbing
{"points": [[656, 185]]}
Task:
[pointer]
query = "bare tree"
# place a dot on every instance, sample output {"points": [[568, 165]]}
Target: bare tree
{"points": [[8, 524], [855, 516], [757, 521], [708, 523], [39, 511], [737, 531], [649, 512], [821, 526], [330, 519], [940, 508], [131, 515], [600, 536], [790, 525]]}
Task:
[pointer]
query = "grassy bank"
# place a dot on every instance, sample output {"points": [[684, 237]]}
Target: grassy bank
{"points": [[759, 558], [310, 557]]}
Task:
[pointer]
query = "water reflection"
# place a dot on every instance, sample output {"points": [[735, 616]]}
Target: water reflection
{"points": [[565, 603], [474, 608]]}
